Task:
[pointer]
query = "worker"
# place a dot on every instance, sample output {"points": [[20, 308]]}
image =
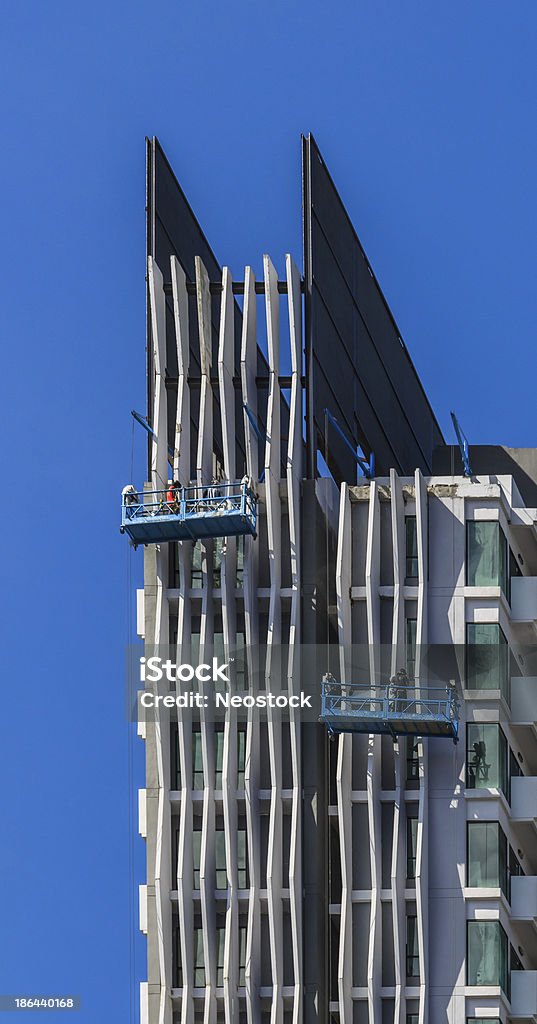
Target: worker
{"points": [[479, 764], [173, 495], [392, 693], [331, 684], [130, 495], [215, 494], [397, 689]]}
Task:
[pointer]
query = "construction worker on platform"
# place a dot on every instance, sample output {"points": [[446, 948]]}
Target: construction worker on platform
{"points": [[173, 495], [130, 495]]}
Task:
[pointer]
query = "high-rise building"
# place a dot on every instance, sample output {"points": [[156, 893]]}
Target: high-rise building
{"points": [[385, 874]]}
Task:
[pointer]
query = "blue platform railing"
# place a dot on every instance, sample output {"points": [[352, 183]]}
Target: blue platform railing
{"points": [[391, 709], [197, 511]]}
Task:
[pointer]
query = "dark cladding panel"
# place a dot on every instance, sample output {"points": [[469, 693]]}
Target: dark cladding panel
{"points": [[357, 364], [173, 229]]}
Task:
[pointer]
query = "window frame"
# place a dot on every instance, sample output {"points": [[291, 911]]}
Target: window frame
{"points": [[502, 873], [503, 682], [412, 957], [411, 536], [503, 980], [503, 757], [502, 555], [411, 857]]}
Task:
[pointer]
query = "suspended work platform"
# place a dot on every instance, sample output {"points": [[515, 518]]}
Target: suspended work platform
{"points": [[389, 710], [189, 513]]}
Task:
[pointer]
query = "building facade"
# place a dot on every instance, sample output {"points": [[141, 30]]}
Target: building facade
{"points": [[290, 878], [433, 845]]}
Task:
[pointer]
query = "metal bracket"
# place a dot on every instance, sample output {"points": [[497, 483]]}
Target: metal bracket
{"points": [[462, 441]]}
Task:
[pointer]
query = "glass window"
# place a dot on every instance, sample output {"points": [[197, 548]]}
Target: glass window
{"points": [[220, 948], [486, 758], [199, 959], [218, 758], [175, 852], [411, 570], [487, 952], [483, 1020], [514, 770], [411, 631], [242, 954], [487, 856], [240, 560], [218, 545], [486, 555], [411, 846], [220, 860], [412, 761], [412, 1018], [487, 662], [412, 949], [242, 860], [219, 652], [177, 972], [175, 759], [241, 662], [196, 856], [515, 962], [514, 869], [514, 570], [241, 758], [197, 761], [196, 578]]}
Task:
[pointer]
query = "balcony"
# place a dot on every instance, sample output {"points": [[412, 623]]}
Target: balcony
{"points": [[523, 996], [524, 598], [524, 898], [524, 798]]}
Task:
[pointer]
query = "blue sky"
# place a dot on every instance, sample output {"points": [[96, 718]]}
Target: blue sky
{"points": [[425, 115]]}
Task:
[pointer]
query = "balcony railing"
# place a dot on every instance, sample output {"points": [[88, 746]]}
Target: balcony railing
{"points": [[523, 598], [524, 798], [523, 996], [524, 897]]}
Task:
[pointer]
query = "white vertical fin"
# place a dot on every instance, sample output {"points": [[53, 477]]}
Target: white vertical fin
{"points": [[183, 869], [226, 358], [159, 448], [372, 581], [344, 760], [274, 729], [252, 765], [181, 459], [204, 470], [398, 872], [294, 476], [422, 882]]}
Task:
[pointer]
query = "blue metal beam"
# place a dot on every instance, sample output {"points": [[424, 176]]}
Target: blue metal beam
{"points": [[368, 468], [260, 434], [462, 441], [143, 423]]}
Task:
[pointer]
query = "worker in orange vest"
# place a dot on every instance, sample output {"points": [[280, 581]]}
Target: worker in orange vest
{"points": [[172, 495]]}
